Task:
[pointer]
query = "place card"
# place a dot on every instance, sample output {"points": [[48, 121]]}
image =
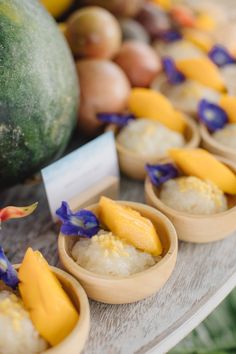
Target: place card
{"points": [[83, 175]]}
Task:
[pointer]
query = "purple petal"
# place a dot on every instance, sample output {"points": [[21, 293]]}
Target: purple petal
{"points": [[220, 56], [174, 76], [7, 273], [82, 223], [171, 36], [212, 115], [64, 212], [161, 173], [115, 118]]}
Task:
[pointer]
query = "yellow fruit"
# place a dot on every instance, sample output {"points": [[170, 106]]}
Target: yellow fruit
{"points": [[202, 70], [50, 309], [57, 7], [201, 164], [129, 225], [228, 103], [205, 22], [201, 39], [146, 103]]}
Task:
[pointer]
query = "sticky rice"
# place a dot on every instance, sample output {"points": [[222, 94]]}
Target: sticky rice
{"points": [[226, 136], [193, 195], [17, 333], [149, 138], [108, 255]]}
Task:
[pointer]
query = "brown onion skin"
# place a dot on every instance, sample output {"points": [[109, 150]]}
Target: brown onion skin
{"points": [[88, 36], [126, 8], [104, 88], [140, 63]]}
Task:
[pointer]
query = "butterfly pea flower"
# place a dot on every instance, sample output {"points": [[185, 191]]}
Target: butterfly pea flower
{"points": [[174, 76], [220, 56], [212, 115], [161, 173], [13, 212], [116, 118], [171, 36], [83, 223], [8, 274]]}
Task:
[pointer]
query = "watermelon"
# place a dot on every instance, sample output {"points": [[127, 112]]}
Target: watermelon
{"points": [[39, 90]]}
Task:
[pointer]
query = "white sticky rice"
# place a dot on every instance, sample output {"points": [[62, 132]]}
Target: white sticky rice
{"points": [[193, 195], [186, 96], [107, 254], [17, 333], [147, 137], [226, 136], [178, 50]]}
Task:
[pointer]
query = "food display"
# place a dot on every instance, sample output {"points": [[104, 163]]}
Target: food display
{"points": [[161, 76]]}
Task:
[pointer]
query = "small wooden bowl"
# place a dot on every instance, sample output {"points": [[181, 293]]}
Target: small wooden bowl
{"points": [[129, 289], [133, 165], [196, 228], [210, 144], [74, 343]]}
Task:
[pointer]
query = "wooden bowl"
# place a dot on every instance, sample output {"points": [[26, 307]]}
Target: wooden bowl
{"points": [[75, 341], [210, 144], [129, 289], [196, 228], [133, 165]]}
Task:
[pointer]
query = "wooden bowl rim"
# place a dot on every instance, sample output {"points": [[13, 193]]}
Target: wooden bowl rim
{"points": [[195, 140], [149, 190], [206, 136], [84, 314], [172, 235]]}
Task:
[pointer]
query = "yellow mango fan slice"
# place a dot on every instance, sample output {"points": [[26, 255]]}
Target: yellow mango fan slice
{"points": [[228, 103], [205, 22], [202, 70], [129, 225], [201, 164], [200, 39], [146, 103], [50, 309]]}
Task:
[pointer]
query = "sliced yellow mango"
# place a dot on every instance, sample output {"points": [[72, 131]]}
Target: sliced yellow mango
{"points": [[228, 103], [130, 225], [205, 22], [50, 308], [147, 103], [202, 70], [201, 164], [201, 39]]}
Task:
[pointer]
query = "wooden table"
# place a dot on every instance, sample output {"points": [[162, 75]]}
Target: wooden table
{"points": [[204, 275]]}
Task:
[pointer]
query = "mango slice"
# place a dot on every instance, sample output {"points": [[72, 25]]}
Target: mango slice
{"points": [[130, 225], [200, 39], [228, 103], [50, 309], [146, 103], [202, 70], [205, 22], [201, 164]]}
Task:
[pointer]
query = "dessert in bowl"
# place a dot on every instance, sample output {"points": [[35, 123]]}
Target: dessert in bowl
{"points": [[128, 253], [196, 190], [155, 128]]}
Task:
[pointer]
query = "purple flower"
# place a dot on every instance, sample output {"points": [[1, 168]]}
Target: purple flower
{"points": [[116, 118], [171, 36], [212, 115], [7, 272], [161, 173], [220, 56], [174, 76], [83, 223]]}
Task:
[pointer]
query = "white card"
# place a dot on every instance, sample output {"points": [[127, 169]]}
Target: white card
{"points": [[80, 170]]}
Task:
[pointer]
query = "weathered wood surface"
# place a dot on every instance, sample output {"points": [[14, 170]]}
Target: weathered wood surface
{"points": [[203, 276]]}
